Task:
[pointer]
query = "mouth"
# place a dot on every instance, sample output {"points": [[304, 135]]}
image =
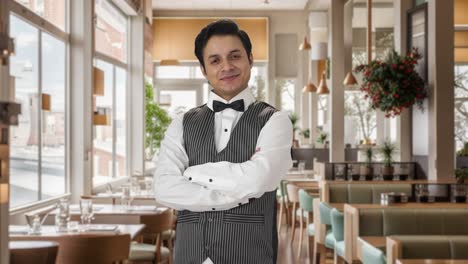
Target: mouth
{"points": [[229, 78]]}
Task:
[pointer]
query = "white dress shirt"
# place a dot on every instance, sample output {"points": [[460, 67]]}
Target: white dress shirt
{"points": [[232, 183]]}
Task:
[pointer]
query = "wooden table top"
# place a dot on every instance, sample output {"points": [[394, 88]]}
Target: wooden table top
{"points": [[432, 261], [21, 231], [119, 195], [330, 182], [19, 245], [110, 209], [412, 206]]}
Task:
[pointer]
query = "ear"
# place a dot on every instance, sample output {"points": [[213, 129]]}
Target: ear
{"points": [[251, 60], [202, 69]]}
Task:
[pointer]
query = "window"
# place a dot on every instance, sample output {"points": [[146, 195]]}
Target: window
{"points": [[38, 143], [360, 118], [110, 143], [51, 10], [110, 30], [461, 105], [285, 95]]}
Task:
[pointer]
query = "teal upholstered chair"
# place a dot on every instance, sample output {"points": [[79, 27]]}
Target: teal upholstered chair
{"points": [[281, 196], [306, 205], [372, 255], [325, 211], [337, 223]]}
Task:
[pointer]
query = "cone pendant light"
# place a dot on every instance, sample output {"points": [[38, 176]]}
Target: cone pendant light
{"points": [[323, 88], [309, 88], [305, 45]]}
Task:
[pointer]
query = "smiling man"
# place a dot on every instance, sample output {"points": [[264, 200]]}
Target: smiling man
{"points": [[220, 163]]}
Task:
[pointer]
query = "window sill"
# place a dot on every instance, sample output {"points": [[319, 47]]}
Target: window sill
{"points": [[36, 205]]}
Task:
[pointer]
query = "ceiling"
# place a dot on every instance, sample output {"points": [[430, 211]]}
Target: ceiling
{"points": [[229, 4]]}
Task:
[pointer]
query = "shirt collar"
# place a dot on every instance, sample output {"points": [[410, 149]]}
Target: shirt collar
{"points": [[245, 95]]}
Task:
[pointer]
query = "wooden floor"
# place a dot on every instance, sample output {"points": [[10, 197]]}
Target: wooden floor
{"points": [[287, 251]]}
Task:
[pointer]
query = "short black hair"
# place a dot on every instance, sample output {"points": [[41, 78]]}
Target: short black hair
{"points": [[221, 27]]}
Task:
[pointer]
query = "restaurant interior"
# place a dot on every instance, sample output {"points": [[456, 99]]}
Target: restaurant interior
{"points": [[376, 91]]}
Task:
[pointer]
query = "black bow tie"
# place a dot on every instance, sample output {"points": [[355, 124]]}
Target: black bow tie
{"points": [[236, 105]]}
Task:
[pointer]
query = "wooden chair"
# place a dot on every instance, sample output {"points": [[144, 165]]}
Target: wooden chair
{"points": [[293, 198], [155, 226], [90, 248], [283, 205], [42, 252]]}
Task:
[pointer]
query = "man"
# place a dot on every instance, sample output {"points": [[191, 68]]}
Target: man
{"points": [[220, 164]]}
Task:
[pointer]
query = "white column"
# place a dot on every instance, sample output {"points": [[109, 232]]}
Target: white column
{"points": [[136, 93], [81, 84], [4, 151], [404, 120], [337, 75], [441, 95]]}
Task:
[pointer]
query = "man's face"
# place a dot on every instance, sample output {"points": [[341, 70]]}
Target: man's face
{"points": [[227, 65]]}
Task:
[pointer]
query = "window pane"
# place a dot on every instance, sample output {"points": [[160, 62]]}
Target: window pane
{"points": [[51, 10], [24, 153], [103, 136], [120, 120], [257, 82], [285, 94], [53, 121], [177, 102], [461, 106], [360, 119], [110, 30]]}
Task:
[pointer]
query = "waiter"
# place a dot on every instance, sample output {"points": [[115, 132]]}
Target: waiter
{"points": [[220, 163]]}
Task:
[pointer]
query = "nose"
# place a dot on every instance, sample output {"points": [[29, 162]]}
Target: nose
{"points": [[227, 66]]}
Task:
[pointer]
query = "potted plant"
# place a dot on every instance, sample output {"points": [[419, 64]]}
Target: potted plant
{"points": [[462, 156], [461, 174], [387, 150], [322, 138], [367, 170], [294, 117], [157, 120], [393, 84]]}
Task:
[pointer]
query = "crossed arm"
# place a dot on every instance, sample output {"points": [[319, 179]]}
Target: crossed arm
{"points": [[222, 185]]}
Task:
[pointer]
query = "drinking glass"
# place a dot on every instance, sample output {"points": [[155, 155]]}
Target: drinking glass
{"points": [[63, 215], [301, 166], [126, 199], [86, 210]]}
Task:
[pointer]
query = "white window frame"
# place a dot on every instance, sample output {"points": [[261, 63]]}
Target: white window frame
{"points": [[124, 65], [43, 25]]}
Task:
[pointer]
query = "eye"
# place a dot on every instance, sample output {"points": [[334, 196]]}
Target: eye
{"points": [[214, 61], [236, 56]]}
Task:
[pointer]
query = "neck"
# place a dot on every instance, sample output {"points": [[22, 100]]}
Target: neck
{"points": [[228, 97]]}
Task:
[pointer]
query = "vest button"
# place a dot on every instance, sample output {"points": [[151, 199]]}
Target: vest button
{"points": [[213, 209], [240, 204], [225, 130], [211, 180], [190, 178]]}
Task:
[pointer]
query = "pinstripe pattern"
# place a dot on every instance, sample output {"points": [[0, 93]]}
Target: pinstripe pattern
{"points": [[245, 234]]}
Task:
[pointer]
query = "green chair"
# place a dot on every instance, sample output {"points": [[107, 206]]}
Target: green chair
{"points": [[337, 224], [372, 255], [329, 246], [306, 205], [281, 196], [325, 211]]}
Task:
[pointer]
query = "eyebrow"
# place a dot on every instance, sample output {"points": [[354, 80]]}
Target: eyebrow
{"points": [[216, 55]]}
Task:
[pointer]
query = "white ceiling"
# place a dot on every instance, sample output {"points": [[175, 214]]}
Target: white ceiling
{"points": [[228, 4]]}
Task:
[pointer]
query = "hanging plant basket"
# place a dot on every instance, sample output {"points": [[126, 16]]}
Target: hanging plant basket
{"points": [[393, 84]]}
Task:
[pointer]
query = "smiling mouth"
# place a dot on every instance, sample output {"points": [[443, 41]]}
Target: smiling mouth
{"points": [[229, 78]]}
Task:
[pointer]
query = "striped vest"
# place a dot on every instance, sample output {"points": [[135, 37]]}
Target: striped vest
{"points": [[244, 234]]}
